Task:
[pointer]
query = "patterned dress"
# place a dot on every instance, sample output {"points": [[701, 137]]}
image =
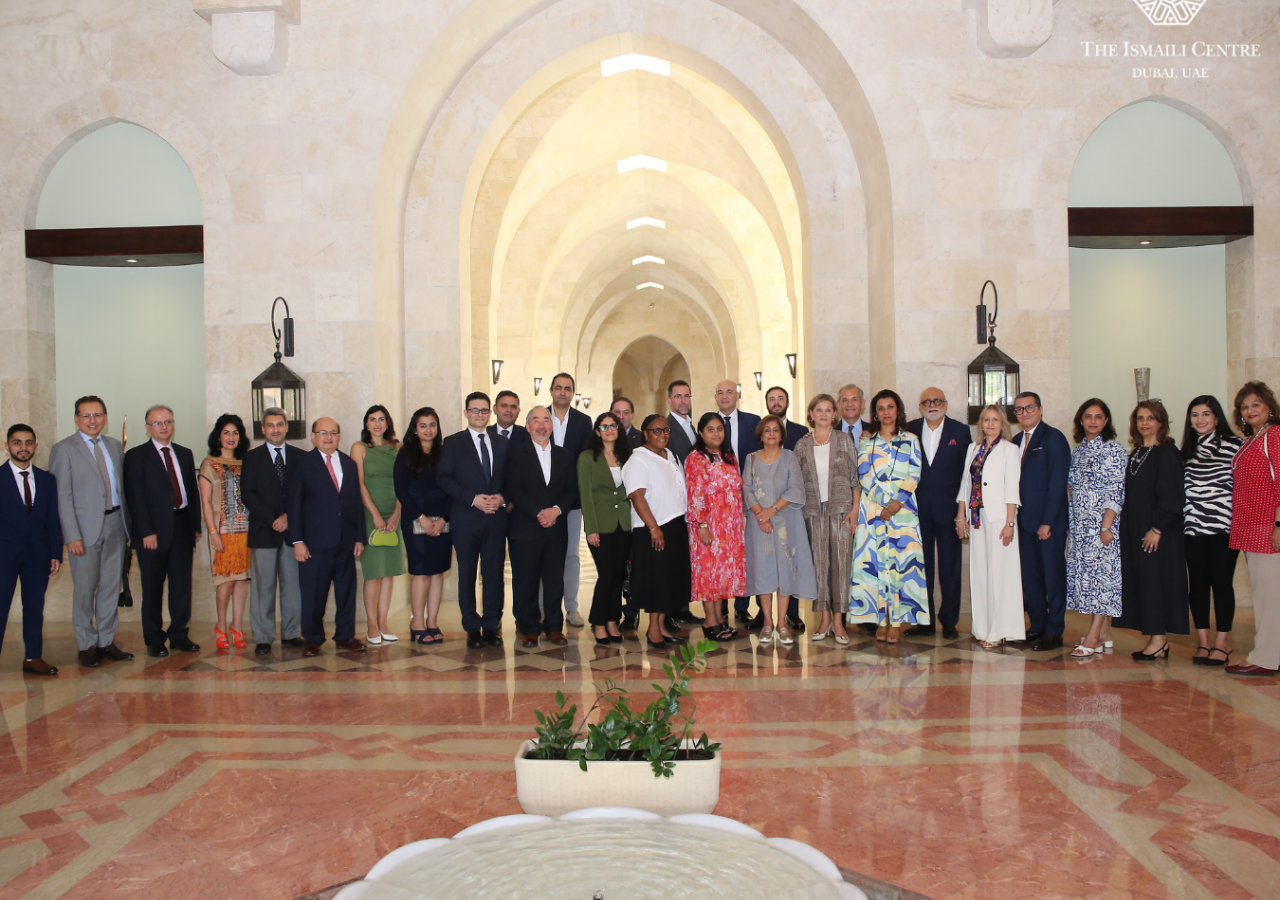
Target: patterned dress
{"points": [[715, 500], [1096, 481], [232, 562], [888, 561]]}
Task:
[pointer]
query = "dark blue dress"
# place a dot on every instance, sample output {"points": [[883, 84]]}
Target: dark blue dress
{"points": [[421, 495]]}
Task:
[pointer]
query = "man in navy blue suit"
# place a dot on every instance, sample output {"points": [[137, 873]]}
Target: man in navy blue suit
{"points": [[326, 529], [506, 410], [1042, 518], [777, 400], [571, 430], [30, 542], [944, 443], [471, 470]]}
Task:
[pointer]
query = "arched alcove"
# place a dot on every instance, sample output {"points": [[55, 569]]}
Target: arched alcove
{"points": [[644, 369]]}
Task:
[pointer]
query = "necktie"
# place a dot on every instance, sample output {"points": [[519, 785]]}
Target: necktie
{"points": [[102, 469], [173, 477], [728, 433], [26, 490], [328, 461], [1026, 439], [280, 464], [484, 459], [506, 432]]}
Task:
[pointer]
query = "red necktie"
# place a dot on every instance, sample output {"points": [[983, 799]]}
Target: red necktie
{"points": [[26, 489], [328, 461], [173, 477]]}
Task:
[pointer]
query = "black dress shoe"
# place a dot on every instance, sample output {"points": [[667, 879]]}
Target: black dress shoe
{"points": [[743, 616], [89, 659], [1031, 638], [796, 624], [675, 639], [615, 639], [921, 631], [686, 618], [185, 646], [475, 640], [113, 653], [261, 649], [1048, 642], [159, 651], [629, 623], [950, 632], [492, 637], [293, 642]]}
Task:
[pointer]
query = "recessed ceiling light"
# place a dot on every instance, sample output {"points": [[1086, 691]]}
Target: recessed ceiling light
{"points": [[646, 220], [632, 163], [632, 62], [650, 284], [130, 260], [644, 259], [1144, 243]]}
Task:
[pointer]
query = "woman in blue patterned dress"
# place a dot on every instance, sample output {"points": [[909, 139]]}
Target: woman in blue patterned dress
{"points": [[888, 585], [1096, 481]]}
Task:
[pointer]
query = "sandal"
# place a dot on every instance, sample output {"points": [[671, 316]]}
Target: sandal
{"points": [[238, 639], [435, 636], [1199, 660], [1210, 661], [416, 636], [1083, 652], [882, 632], [220, 639], [895, 632]]}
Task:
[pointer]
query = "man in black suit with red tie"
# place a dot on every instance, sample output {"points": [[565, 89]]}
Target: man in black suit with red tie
{"points": [[164, 506], [30, 542], [944, 442], [326, 529]]}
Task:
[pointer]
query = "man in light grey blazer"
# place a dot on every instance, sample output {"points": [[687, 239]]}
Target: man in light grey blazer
{"points": [[89, 467]]}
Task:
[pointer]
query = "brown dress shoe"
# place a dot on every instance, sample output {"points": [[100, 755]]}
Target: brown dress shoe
{"points": [[354, 646], [1250, 669], [311, 650], [558, 638], [89, 659], [38, 666], [528, 641], [113, 653]]}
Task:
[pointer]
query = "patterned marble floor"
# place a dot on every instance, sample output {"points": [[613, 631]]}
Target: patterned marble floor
{"points": [[931, 765]]}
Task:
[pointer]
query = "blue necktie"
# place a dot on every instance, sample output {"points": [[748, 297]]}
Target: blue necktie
{"points": [[484, 460]]}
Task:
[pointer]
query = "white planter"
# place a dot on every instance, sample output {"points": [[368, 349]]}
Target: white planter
{"points": [[553, 787]]}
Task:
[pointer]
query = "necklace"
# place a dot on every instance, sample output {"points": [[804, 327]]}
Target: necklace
{"points": [[888, 449], [818, 443], [1139, 456]]}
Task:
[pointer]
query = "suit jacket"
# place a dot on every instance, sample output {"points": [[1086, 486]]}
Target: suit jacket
{"points": [[795, 431], [604, 507], [462, 477], [82, 497], [1043, 483], [524, 486], [679, 443], [842, 474], [264, 496], [419, 495], [1001, 473], [23, 532], [319, 516], [636, 437], [519, 434], [146, 482], [940, 480], [747, 443], [577, 434], [866, 429]]}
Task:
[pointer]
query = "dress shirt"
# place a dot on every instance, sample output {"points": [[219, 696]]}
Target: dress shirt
{"points": [[559, 427], [931, 438], [732, 419], [482, 437], [1026, 442], [160, 448], [274, 450], [505, 432], [337, 465], [686, 423], [663, 483], [544, 459], [853, 430], [111, 469], [31, 478]]}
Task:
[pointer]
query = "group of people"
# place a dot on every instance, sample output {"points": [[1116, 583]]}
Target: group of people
{"points": [[865, 518]]}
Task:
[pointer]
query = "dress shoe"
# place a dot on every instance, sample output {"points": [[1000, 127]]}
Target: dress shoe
{"points": [[261, 649], [574, 618], [528, 641], [89, 659], [921, 631], [113, 653], [950, 632], [185, 646], [475, 640], [744, 617], [293, 642], [796, 624], [629, 623], [1031, 638], [38, 666], [311, 650], [686, 617], [557, 638], [1250, 669], [492, 637], [159, 651], [352, 646], [1048, 642]]}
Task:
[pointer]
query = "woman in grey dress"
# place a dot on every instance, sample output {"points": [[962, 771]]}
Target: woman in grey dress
{"points": [[778, 555]]}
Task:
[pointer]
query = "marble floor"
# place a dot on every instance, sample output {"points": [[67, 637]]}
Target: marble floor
{"points": [[932, 765]]}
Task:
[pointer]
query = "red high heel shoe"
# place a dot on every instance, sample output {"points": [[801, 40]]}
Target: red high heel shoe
{"points": [[238, 637], [220, 639]]}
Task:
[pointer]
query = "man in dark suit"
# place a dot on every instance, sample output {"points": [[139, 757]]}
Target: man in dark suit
{"points": [[164, 504], [625, 411], [30, 542], [471, 471], [944, 443], [680, 419], [777, 400], [262, 484], [326, 528], [851, 401], [1042, 520], [542, 482], [506, 409], [571, 430]]}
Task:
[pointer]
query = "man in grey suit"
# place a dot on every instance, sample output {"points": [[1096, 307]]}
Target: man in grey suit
{"points": [[683, 428], [89, 467]]}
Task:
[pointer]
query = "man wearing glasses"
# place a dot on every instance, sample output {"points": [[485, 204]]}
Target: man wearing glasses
{"points": [[1042, 545], [471, 471], [945, 442], [92, 509]]}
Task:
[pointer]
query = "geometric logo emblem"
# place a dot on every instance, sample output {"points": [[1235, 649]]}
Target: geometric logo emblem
{"points": [[1170, 12]]}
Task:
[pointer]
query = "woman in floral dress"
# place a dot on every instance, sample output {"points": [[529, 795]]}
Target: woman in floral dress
{"points": [[717, 549], [227, 521]]}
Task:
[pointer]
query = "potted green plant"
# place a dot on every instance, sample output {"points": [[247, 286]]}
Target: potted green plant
{"points": [[644, 759]]}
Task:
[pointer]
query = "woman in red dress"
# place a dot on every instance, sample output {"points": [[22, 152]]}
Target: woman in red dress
{"points": [[717, 549]]}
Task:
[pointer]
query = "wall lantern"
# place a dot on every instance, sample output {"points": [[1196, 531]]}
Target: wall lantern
{"points": [[791, 364], [537, 386], [759, 380], [497, 369], [739, 388], [586, 402], [278, 385], [993, 375]]}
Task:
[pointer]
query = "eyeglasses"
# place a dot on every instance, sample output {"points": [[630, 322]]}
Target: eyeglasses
{"points": [[476, 411], [93, 415], [1023, 410], [934, 401], [325, 434], [607, 427], [166, 422], [659, 430]]}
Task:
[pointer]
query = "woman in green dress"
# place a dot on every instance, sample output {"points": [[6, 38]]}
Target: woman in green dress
{"points": [[375, 458]]}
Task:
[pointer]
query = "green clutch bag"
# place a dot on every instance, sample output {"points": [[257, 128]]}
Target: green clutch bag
{"points": [[383, 538]]}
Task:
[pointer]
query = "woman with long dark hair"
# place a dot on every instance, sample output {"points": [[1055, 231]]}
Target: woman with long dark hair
{"points": [[606, 518], [1208, 448], [425, 507], [227, 521], [716, 549], [375, 459]]}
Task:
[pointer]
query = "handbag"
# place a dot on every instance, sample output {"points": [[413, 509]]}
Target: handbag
{"points": [[383, 538], [418, 529]]}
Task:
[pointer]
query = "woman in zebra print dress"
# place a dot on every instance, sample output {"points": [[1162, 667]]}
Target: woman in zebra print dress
{"points": [[1208, 447]]}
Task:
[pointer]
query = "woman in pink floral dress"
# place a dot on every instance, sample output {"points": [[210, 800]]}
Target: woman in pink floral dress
{"points": [[717, 549]]}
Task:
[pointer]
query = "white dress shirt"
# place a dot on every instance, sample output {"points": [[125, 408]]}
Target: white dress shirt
{"points": [[1026, 442], [160, 448], [931, 438], [111, 469], [278, 451], [337, 465], [31, 479], [686, 423], [559, 427], [663, 483], [544, 459]]}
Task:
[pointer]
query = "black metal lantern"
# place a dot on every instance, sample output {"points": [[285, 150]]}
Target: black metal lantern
{"points": [[278, 385], [994, 377]]}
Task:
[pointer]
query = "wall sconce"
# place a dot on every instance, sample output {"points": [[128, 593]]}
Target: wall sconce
{"points": [[497, 369], [537, 386], [577, 399], [791, 364], [739, 388], [759, 380], [993, 376], [278, 386], [586, 402]]}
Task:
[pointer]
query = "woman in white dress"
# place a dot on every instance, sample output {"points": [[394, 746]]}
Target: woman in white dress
{"points": [[987, 511]]}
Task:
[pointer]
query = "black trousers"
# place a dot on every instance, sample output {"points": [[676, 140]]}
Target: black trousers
{"points": [[1211, 566], [611, 571], [486, 550], [155, 567], [537, 564], [941, 536], [26, 562], [1044, 580], [334, 566]]}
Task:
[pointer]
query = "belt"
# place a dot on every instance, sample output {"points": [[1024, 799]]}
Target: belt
{"points": [[111, 510]]}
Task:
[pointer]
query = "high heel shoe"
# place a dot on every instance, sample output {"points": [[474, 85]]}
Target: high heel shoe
{"points": [[1163, 652], [1210, 661], [657, 645], [220, 639], [371, 640], [238, 639], [1200, 660]]}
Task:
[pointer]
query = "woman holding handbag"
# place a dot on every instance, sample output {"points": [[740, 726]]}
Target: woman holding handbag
{"points": [[425, 505], [382, 560]]}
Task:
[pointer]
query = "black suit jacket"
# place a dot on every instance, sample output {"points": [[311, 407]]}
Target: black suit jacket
{"points": [[577, 434], [1042, 486], [461, 476], [319, 516], [747, 443], [940, 480], [150, 496], [795, 431], [524, 486], [679, 443], [635, 436], [264, 496], [22, 532], [519, 434]]}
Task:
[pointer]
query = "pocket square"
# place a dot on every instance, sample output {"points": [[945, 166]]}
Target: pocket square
{"points": [[951, 443]]}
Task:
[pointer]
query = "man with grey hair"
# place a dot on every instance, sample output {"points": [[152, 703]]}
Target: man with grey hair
{"points": [[164, 506], [272, 563], [851, 400]]}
